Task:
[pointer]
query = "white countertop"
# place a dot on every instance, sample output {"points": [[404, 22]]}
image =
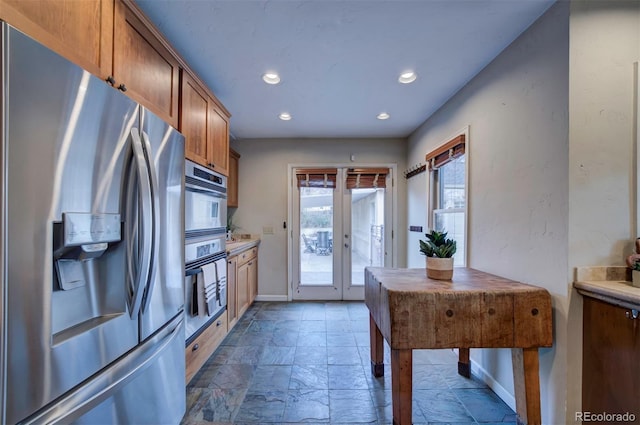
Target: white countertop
{"points": [[609, 284], [237, 246]]}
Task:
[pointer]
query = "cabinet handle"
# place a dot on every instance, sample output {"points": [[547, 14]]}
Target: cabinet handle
{"points": [[195, 347], [218, 323], [110, 80], [122, 88], [250, 263]]}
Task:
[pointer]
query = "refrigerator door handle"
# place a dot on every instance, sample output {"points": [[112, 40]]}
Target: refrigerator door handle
{"points": [[155, 205], [139, 282]]}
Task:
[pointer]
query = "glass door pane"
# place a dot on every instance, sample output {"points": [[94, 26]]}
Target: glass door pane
{"points": [[316, 236], [367, 232]]}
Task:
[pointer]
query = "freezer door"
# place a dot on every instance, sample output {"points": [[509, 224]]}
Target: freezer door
{"points": [[164, 296], [67, 136]]}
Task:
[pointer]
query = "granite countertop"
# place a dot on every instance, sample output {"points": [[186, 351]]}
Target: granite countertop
{"points": [[608, 284], [236, 246]]}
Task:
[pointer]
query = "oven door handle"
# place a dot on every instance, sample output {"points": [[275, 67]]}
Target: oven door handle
{"points": [[193, 272], [206, 191]]}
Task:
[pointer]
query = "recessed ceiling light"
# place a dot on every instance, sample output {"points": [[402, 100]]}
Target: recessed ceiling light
{"points": [[407, 77], [271, 78], [383, 116], [285, 116]]}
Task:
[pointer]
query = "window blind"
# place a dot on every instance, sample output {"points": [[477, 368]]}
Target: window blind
{"points": [[447, 152], [316, 177], [366, 178]]}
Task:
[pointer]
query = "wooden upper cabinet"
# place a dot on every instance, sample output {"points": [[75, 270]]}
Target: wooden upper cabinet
{"points": [[194, 122], [205, 125], [232, 180], [143, 64], [219, 128], [81, 31]]}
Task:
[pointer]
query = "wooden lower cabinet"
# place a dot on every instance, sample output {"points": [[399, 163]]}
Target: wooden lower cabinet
{"points": [[246, 279], [204, 345], [232, 305], [611, 359], [252, 280], [242, 289]]}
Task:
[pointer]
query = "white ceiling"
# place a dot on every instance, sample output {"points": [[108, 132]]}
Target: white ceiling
{"points": [[339, 60]]}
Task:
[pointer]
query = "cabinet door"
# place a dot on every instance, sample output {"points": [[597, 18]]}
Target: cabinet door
{"points": [[81, 31], [611, 353], [232, 180], [194, 110], [232, 306], [219, 139], [253, 280], [144, 65], [242, 288]]}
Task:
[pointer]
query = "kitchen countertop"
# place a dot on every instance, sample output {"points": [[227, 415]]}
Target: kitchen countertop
{"points": [[608, 284], [235, 247]]}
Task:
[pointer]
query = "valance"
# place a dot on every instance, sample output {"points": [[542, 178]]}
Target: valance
{"points": [[366, 178], [316, 177], [451, 150]]}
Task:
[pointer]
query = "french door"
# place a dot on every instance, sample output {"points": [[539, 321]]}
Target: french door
{"points": [[341, 223]]}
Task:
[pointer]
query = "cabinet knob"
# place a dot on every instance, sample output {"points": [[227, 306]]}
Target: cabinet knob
{"points": [[212, 165], [633, 314], [195, 347], [122, 88], [110, 80]]}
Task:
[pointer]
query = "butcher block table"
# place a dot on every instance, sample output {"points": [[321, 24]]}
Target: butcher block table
{"points": [[474, 310]]}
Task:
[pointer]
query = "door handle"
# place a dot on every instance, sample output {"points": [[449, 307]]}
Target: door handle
{"points": [[140, 277], [155, 211]]}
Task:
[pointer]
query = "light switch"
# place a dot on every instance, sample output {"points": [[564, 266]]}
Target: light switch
{"points": [[267, 230]]}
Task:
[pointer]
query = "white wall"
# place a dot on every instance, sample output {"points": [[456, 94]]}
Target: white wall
{"points": [[517, 112], [263, 189], [605, 41]]}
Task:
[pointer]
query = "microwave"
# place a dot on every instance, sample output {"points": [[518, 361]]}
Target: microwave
{"points": [[205, 208]]}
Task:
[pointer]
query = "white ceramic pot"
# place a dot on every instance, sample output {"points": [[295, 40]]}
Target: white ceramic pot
{"points": [[439, 268]]}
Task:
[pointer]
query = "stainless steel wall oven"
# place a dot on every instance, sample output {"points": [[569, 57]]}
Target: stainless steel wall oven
{"points": [[205, 201], [205, 248]]}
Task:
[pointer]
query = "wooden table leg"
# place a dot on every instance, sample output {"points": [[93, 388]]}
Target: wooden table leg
{"points": [[464, 366], [526, 376], [401, 381], [377, 348]]}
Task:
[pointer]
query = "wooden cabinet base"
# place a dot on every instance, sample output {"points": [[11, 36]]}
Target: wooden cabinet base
{"points": [[199, 351], [610, 363]]}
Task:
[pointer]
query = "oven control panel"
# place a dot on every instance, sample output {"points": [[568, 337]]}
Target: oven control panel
{"points": [[204, 248]]}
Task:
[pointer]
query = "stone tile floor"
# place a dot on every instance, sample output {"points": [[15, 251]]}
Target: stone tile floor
{"points": [[309, 362]]}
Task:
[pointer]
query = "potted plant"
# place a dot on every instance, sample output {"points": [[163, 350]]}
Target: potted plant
{"points": [[633, 261], [439, 255]]}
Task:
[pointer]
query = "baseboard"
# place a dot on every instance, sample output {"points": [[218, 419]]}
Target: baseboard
{"points": [[272, 298], [500, 391]]}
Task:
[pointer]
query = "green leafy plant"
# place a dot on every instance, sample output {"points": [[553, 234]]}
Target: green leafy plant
{"points": [[437, 245], [633, 261]]}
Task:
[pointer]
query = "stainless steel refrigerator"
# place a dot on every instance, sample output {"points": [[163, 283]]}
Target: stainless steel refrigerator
{"points": [[92, 248]]}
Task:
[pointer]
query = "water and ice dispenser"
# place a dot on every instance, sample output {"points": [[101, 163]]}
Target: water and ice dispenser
{"points": [[84, 236], [88, 283]]}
